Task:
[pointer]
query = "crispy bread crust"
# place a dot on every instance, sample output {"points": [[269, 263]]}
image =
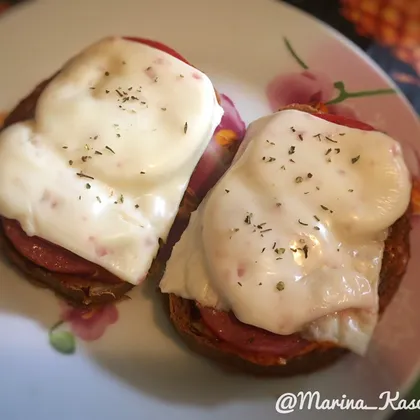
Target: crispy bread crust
{"points": [[76, 290]]}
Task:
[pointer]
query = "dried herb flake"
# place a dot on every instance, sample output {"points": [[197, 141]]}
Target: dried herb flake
{"points": [[280, 286]]}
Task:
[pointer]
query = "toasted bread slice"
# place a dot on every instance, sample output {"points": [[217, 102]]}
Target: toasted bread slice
{"points": [[187, 320], [77, 290]]}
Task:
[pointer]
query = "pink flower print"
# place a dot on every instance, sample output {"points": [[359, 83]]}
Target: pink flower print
{"points": [[213, 164], [89, 324], [221, 150], [312, 87], [231, 128], [306, 87]]}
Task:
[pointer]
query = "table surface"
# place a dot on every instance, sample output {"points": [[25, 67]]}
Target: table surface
{"points": [[329, 12]]}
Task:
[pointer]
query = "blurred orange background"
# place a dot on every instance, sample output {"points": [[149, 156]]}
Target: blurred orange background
{"points": [[391, 23]]}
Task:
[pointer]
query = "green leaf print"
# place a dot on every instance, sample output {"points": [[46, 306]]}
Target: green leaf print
{"points": [[63, 341], [294, 54], [339, 85], [343, 94]]}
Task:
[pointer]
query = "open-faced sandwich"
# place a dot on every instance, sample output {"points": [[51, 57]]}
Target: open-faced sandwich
{"points": [[292, 257], [94, 165]]}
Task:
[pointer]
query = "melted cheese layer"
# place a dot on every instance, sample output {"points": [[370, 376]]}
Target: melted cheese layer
{"points": [[291, 238], [102, 168]]}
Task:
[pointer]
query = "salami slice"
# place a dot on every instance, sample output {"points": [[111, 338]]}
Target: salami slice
{"points": [[159, 46], [52, 257], [347, 122], [247, 338]]}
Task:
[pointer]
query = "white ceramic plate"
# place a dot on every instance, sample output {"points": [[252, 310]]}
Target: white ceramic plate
{"points": [[137, 368]]}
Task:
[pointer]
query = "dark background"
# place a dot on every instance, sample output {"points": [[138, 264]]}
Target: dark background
{"points": [[329, 12]]}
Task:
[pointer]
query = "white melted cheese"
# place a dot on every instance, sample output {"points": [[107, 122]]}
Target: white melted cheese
{"points": [[291, 238], [134, 119]]}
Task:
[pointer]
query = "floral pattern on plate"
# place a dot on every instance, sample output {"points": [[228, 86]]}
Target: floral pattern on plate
{"points": [[87, 324], [313, 87]]}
